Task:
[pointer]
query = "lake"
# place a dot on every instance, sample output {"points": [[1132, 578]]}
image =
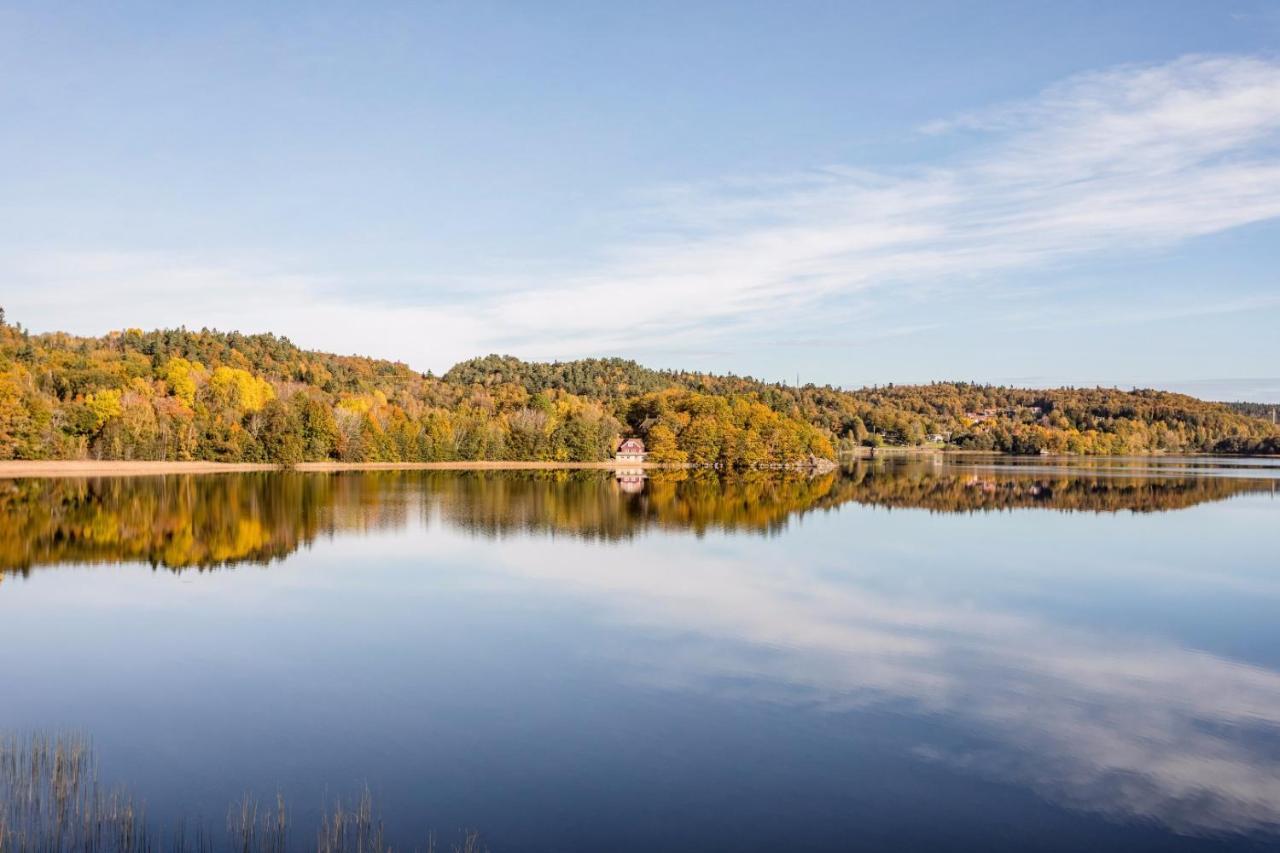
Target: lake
{"points": [[980, 653]]}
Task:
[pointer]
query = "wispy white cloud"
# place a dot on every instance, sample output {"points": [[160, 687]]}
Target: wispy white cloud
{"points": [[1123, 724], [1136, 157]]}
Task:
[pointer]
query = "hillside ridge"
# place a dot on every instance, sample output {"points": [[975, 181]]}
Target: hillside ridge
{"points": [[177, 394]]}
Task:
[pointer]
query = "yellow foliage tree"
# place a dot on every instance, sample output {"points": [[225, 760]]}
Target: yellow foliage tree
{"points": [[180, 375], [662, 445], [241, 389], [104, 405]]}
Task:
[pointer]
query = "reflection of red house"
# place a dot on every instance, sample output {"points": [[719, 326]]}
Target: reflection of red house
{"points": [[631, 483], [630, 450]]}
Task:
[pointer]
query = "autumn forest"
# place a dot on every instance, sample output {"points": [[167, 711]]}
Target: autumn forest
{"points": [[207, 395]]}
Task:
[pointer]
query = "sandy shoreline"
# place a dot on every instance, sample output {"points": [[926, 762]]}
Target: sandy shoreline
{"points": [[92, 468]]}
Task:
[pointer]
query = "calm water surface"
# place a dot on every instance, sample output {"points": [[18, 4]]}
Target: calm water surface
{"points": [[993, 654]]}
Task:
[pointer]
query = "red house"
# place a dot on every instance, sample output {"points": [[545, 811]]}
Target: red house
{"points": [[630, 450]]}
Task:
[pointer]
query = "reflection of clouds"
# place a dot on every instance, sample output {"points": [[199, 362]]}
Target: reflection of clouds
{"points": [[1105, 723]]}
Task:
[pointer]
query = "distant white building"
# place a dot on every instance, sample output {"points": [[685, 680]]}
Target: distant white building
{"points": [[630, 450]]}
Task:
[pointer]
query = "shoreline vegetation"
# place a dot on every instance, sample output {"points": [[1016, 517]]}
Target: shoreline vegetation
{"points": [[52, 799], [180, 396]]}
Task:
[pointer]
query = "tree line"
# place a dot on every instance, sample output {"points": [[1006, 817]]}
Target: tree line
{"points": [[1103, 421], [178, 394], [186, 395]]}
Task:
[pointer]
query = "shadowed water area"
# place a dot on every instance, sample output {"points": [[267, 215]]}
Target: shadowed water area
{"points": [[981, 652]]}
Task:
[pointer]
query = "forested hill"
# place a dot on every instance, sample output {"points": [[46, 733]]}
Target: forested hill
{"points": [[598, 378], [959, 414], [1266, 411], [178, 394]]}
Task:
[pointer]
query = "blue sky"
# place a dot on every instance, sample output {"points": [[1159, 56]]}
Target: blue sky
{"points": [[1028, 193]]}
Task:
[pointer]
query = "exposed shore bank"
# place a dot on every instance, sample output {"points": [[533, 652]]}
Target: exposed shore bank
{"points": [[896, 450], [108, 468], [13, 469]]}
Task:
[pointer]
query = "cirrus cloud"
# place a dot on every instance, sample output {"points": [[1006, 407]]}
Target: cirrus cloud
{"points": [[1135, 158]]}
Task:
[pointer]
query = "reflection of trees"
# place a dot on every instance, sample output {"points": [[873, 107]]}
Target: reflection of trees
{"points": [[205, 521], [182, 521], [584, 503], [948, 489]]}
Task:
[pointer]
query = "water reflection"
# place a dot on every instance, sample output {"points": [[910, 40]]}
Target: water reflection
{"points": [[205, 521], [1112, 722], [1115, 661], [1082, 485]]}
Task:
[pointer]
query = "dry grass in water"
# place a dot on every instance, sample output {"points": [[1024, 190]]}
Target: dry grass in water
{"points": [[51, 801]]}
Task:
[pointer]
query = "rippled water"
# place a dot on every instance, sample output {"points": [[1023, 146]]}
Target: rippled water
{"points": [[983, 653]]}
